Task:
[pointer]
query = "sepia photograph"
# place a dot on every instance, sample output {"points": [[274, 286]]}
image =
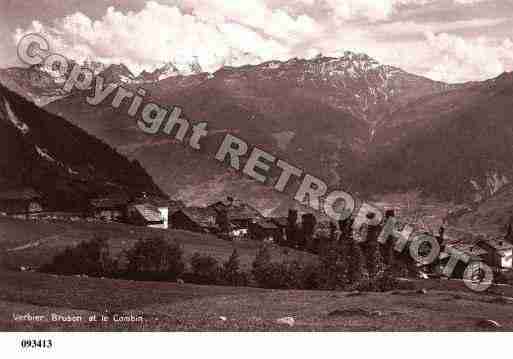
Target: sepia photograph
{"points": [[255, 166]]}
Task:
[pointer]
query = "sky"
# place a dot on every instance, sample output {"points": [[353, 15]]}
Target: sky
{"points": [[445, 40]]}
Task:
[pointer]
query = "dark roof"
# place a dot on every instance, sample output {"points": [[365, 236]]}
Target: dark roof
{"points": [[266, 224], [199, 215], [219, 206], [175, 205], [499, 244], [110, 202], [280, 221], [19, 194], [237, 210], [154, 200], [471, 249]]}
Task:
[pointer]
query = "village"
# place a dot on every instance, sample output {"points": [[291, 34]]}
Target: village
{"points": [[234, 220]]}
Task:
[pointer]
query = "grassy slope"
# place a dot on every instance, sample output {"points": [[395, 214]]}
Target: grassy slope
{"points": [[31, 243], [168, 306], [492, 215]]}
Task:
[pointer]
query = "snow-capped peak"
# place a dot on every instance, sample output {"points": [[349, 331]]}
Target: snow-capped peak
{"points": [[188, 67], [161, 73], [167, 71], [117, 73]]}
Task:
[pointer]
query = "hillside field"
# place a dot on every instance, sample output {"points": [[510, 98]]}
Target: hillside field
{"points": [[34, 243], [446, 305], [174, 307]]}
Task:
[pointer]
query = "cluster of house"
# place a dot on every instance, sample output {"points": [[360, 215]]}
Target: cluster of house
{"points": [[496, 252], [244, 221], [230, 218], [143, 211], [20, 201]]}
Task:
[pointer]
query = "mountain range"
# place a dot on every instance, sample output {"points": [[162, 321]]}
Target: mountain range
{"points": [[360, 125]]}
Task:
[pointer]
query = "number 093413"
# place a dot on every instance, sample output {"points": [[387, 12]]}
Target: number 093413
{"points": [[36, 343]]}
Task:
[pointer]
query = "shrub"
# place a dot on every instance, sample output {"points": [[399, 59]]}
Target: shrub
{"points": [[230, 272], [287, 275], [341, 266], [261, 264], [90, 258], [279, 276], [155, 259], [382, 282], [311, 277], [204, 269], [333, 271], [357, 270]]}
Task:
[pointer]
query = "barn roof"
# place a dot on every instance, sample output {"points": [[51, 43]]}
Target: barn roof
{"points": [[155, 200], [499, 244], [149, 212], [471, 249], [19, 194], [266, 224], [110, 202], [200, 215], [237, 210], [280, 221]]}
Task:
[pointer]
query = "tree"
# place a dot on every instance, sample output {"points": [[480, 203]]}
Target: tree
{"points": [[308, 226], [509, 233], [89, 257], [261, 264], [356, 267], [334, 267], [155, 258], [205, 269], [387, 248], [291, 227], [333, 232], [262, 258], [231, 273], [222, 220], [371, 250]]}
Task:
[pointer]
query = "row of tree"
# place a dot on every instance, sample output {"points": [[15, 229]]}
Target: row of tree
{"points": [[342, 265], [364, 258]]}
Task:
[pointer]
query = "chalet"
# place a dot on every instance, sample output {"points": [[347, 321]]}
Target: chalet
{"points": [[145, 215], [243, 214], [222, 205], [265, 230], [500, 253], [163, 206], [475, 253], [282, 223], [111, 208], [239, 233], [239, 214], [193, 219], [20, 201]]}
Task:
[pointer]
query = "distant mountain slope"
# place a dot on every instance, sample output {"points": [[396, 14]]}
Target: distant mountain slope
{"points": [[320, 114], [33, 83], [456, 144], [358, 124], [490, 216], [117, 74], [61, 161]]}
